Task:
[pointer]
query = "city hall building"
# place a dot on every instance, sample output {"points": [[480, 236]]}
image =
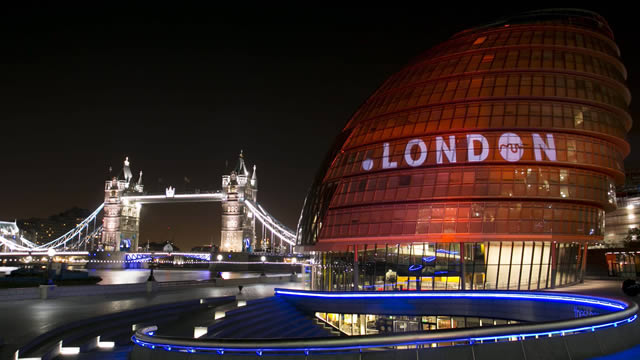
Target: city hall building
{"points": [[488, 162]]}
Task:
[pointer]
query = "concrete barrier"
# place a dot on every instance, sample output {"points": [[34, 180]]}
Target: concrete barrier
{"points": [[45, 292], [19, 294], [258, 280]]}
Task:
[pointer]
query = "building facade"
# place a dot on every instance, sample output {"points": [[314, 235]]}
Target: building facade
{"points": [[487, 162], [627, 216], [43, 230], [238, 223]]}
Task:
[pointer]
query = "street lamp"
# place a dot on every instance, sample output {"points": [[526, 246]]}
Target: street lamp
{"points": [[263, 259], [51, 253], [151, 267]]}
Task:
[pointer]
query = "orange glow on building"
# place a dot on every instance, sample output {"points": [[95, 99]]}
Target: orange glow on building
{"points": [[496, 153]]}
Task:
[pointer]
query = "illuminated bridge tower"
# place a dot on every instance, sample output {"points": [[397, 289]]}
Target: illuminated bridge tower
{"points": [[238, 223], [121, 222]]}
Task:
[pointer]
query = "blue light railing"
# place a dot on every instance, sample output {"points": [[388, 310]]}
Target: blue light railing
{"points": [[618, 313]]}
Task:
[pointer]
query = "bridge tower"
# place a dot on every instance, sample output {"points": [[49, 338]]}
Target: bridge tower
{"points": [[121, 221], [238, 223]]}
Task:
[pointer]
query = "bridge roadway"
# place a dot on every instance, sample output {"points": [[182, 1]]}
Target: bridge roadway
{"points": [[26, 319]]}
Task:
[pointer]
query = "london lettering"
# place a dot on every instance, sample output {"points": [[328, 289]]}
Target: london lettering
{"points": [[509, 145]]}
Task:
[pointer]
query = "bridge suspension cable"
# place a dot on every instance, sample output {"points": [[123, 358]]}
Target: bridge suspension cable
{"points": [[75, 232], [62, 241], [277, 228], [13, 245]]}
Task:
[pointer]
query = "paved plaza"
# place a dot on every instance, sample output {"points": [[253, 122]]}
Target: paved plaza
{"points": [[25, 320]]}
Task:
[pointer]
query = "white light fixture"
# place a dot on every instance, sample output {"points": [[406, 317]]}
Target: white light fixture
{"points": [[219, 257], [630, 207], [51, 252], [105, 344], [199, 331], [263, 258], [69, 350]]}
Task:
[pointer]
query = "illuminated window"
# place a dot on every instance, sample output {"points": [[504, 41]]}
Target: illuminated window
{"points": [[480, 40]]}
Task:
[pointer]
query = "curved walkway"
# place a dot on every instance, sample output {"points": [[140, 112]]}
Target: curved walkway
{"points": [[612, 289]]}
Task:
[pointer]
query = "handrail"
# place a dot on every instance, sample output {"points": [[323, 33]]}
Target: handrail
{"points": [[145, 337]]}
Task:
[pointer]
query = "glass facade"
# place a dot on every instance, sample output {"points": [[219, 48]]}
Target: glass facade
{"points": [[623, 264], [375, 324], [488, 162], [495, 265]]}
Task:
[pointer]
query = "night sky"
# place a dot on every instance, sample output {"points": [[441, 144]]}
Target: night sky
{"points": [[181, 90]]}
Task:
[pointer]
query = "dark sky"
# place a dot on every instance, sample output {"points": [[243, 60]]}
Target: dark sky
{"points": [[180, 90]]}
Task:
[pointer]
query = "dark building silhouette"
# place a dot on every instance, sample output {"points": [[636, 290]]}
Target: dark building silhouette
{"points": [[42, 231]]}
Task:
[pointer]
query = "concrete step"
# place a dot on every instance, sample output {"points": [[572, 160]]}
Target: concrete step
{"points": [[274, 320], [252, 306], [119, 353], [239, 317], [232, 326], [291, 330], [45, 345]]}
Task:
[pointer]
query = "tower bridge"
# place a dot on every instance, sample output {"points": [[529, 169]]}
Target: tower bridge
{"points": [[124, 198]]}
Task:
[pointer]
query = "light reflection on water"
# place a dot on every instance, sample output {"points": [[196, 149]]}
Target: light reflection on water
{"points": [[132, 276]]}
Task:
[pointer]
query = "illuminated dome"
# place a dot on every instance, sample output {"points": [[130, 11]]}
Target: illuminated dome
{"points": [[501, 145]]}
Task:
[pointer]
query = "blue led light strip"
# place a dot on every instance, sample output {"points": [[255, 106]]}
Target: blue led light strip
{"points": [[572, 299], [193, 346], [471, 340]]}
